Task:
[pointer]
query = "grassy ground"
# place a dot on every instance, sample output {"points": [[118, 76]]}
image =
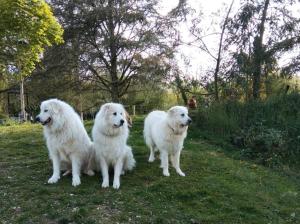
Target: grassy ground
{"points": [[217, 188]]}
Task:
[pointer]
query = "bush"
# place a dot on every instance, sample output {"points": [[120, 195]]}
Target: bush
{"points": [[3, 116], [267, 131], [217, 120], [265, 145], [9, 122]]}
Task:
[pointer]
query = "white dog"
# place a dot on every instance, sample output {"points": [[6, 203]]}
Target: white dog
{"points": [[166, 132], [110, 133], [67, 140]]}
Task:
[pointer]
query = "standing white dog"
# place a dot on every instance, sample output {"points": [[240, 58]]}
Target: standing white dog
{"points": [[166, 131], [110, 133], [67, 140]]}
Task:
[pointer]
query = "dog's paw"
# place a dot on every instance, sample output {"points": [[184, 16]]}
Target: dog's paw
{"points": [[166, 173], [116, 184], [53, 180], [90, 173], [75, 181], [105, 184], [181, 173], [151, 159]]}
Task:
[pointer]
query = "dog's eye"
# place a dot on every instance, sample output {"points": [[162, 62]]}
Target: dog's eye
{"points": [[115, 113], [182, 115], [121, 113], [45, 111]]}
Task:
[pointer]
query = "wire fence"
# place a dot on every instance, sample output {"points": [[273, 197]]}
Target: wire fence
{"points": [[90, 114], [133, 110]]}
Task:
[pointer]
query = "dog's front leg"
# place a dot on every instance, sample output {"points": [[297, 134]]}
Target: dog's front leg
{"points": [[164, 162], [117, 172], [104, 171], [176, 163], [56, 167], [76, 164]]}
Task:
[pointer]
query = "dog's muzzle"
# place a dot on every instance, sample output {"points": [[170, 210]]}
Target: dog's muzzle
{"points": [[189, 121], [119, 125], [37, 119], [43, 122]]}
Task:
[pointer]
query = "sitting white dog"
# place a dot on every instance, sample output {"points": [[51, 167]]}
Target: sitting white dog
{"points": [[110, 134], [166, 132], [68, 143]]}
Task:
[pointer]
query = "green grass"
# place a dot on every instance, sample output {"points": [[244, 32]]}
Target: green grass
{"points": [[217, 188]]}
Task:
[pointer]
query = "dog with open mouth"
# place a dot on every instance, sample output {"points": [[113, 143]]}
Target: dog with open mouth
{"points": [[165, 132], [69, 145], [110, 133]]}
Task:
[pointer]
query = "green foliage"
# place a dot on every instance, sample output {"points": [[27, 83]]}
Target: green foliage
{"points": [[265, 130], [266, 145], [217, 188], [151, 99], [9, 122], [3, 116], [26, 28], [261, 39], [217, 119], [117, 42]]}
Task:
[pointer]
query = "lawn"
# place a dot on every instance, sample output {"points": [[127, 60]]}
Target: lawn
{"points": [[216, 189]]}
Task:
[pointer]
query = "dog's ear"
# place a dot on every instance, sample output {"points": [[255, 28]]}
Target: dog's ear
{"points": [[104, 108], [172, 111], [128, 118], [55, 107]]}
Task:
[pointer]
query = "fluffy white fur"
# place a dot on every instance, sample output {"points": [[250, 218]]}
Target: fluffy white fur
{"points": [[68, 143], [165, 132], [110, 133]]}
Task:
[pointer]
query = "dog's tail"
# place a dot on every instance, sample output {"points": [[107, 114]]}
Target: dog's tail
{"points": [[129, 162]]}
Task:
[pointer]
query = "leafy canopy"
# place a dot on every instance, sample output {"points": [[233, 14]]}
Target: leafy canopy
{"points": [[118, 41], [26, 28]]}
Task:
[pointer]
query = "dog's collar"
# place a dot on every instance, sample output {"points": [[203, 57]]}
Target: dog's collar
{"points": [[107, 134], [173, 130]]}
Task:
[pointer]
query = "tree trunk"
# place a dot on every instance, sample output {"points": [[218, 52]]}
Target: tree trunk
{"points": [[114, 91], [258, 53], [216, 72], [181, 89], [22, 101], [184, 97], [257, 67]]}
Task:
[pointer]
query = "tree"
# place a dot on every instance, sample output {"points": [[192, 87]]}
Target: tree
{"points": [[201, 43], [115, 38], [26, 28], [258, 51], [264, 30]]}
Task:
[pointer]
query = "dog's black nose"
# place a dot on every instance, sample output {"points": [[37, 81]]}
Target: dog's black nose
{"points": [[37, 119], [122, 121], [189, 120]]}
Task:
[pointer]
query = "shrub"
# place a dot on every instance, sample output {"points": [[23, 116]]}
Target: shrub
{"points": [[3, 116], [267, 131], [265, 145], [217, 120]]}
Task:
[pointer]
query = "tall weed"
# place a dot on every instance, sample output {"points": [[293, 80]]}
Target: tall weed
{"points": [[267, 131]]}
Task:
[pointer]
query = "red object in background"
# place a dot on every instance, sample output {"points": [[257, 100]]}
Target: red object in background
{"points": [[192, 103]]}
